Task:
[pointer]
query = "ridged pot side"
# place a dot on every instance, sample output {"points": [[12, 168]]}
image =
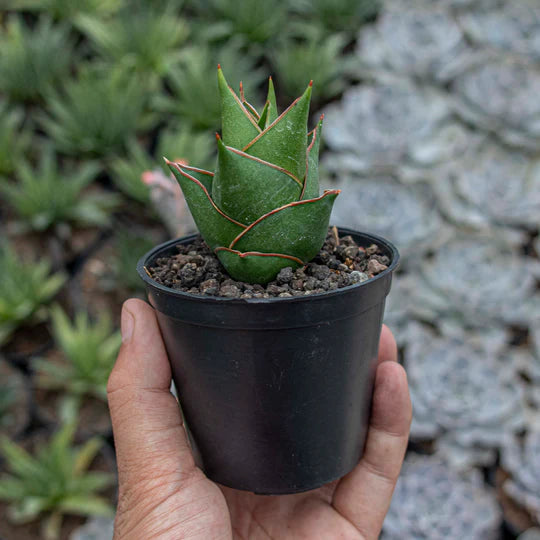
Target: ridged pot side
{"points": [[276, 391]]}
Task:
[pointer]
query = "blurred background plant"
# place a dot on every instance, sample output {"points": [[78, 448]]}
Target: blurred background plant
{"points": [[32, 59], [431, 127], [45, 196], [53, 479], [88, 350], [25, 287]]}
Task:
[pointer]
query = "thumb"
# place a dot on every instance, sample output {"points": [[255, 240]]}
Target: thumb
{"points": [[150, 440]]}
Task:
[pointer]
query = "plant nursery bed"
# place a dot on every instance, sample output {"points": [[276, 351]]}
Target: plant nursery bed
{"points": [[339, 263], [28, 341]]}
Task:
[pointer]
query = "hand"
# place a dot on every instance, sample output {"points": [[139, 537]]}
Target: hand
{"points": [[164, 495]]}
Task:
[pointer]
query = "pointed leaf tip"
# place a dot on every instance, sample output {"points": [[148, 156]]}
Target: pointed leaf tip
{"points": [[218, 138], [311, 82], [219, 66]]}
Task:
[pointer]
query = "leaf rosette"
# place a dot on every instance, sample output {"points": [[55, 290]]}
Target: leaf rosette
{"points": [[260, 211]]}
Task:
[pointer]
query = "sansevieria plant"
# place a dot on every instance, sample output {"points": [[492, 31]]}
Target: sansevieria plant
{"points": [[260, 211]]}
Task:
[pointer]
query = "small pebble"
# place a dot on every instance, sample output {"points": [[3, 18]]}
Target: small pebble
{"points": [[374, 267], [358, 277]]}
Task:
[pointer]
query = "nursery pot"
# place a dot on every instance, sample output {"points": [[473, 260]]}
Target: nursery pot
{"points": [[276, 392]]}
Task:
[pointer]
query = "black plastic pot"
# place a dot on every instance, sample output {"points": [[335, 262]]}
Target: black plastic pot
{"points": [[276, 392]]}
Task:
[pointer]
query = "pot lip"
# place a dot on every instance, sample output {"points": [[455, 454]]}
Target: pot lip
{"points": [[221, 300]]}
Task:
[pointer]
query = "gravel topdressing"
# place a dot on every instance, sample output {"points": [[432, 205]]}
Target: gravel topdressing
{"points": [[339, 263]]}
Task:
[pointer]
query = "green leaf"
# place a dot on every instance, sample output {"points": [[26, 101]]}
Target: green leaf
{"points": [[84, 505], [86, 454], [263, 119], [254, 267], [238, 126], [11, 488], [298, 229], [19, 461], [206, 178], [311, 181], [271, 98], [246, 188], [216, 228], [28, 509], [284, 142]]}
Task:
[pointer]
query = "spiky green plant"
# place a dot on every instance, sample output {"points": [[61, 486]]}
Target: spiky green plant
{"points": [[126, 171], [89, 352], [53, 480], [33, 58], [256, 21], [143, 37], [183, 144], [66, 9], [307, 53], [193, 99], [14, 138], [338, 15], [260, 211], [97, 113], [130, 247], [47, 196], [24, 288]]}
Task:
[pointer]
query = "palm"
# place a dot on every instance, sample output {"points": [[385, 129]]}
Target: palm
{"points": [[303, 515]]}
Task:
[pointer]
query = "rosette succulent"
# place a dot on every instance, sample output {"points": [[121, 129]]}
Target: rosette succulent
{"points": [[260, 211]]}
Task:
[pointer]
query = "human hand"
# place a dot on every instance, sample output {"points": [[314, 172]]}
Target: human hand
{"points": [[164, 495]]}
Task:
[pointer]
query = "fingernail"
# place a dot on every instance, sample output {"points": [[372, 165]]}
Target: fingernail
{"points": [[127, 323]]}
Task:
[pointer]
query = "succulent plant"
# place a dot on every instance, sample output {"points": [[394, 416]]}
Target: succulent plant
{"points": [[24, 288], [97, 113], [184, 144], [414, 40], [195, 101], [511, 26], [512, 111], [521, 459], [305, 52], [130, 246], [143, 36], [46, 196], [257, 22], [395, 118], [66, 9], [261, 210], [479, 280], [339, 15], [126, 171], [475, 190], [54, 480], [405, 215], [463, 394], [33, 58], [433, 502], [14, 138], [89, 351]]}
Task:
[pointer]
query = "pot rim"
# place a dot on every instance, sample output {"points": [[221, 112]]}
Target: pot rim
{"points": [[141, 270]]}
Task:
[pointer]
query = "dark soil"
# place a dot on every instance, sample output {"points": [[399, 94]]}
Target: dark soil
{"points": [[340, 262]]}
